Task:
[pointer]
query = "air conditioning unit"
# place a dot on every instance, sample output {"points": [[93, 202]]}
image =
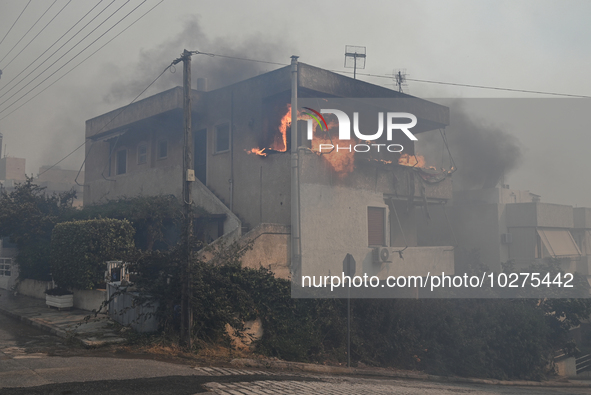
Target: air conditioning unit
{"points": [[380, 255], [506, 238]]}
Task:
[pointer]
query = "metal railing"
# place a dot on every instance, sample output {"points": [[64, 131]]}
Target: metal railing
{"points": [[583, 363]]}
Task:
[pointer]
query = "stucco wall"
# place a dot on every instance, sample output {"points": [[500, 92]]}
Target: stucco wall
{"points": [[271, 249], [334, 223], [539, 214]]}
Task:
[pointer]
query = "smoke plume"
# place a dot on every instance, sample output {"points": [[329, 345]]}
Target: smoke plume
{"points": [[219, 71], [484, 153]]}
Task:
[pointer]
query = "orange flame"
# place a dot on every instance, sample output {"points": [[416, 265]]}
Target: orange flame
{"points": [[280, 141], [257, 151], [341, 161], [412, 160]]}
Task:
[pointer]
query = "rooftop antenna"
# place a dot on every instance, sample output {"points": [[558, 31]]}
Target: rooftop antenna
{"points": [[354, 58], [400, 78]]}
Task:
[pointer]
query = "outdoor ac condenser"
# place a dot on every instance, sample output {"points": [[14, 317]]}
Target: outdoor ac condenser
{"points": [[380, 255]]}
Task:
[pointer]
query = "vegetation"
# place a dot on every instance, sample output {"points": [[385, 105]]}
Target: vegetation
{"points": [[27, 216], [501, 338], [79, 250]]}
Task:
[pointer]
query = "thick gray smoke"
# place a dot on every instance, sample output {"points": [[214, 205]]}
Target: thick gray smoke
{"points": [[219, 71], [484, 153]]}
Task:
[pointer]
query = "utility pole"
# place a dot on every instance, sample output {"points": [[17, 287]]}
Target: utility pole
{"points": [[188, 178], [296, 251]]}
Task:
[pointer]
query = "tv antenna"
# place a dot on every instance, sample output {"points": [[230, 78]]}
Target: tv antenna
{"points": [[354, 58], [400, 78]]}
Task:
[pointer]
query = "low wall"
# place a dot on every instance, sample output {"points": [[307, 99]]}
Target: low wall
{"points": [[90, 299], [566, 367], [124, 310], [83, 299], [33, 288]]}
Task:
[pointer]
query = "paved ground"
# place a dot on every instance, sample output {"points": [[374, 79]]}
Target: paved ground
{"points": [[33, 361], [71, 323]]}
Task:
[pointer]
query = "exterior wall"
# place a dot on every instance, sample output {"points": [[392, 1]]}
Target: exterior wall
{"points": [[494, 196], [540, 215], [12, 169], [260, 188], [582, 217], [271, 249], [334, 223], [156, 176]]}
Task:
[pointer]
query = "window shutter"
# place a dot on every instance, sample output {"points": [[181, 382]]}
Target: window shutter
{"points": [[375, 226]]}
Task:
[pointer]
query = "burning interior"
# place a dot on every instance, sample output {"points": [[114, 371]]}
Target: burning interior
{"points": [[342, 156]]}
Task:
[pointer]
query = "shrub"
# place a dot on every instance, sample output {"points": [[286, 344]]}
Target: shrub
{"points": [[79, 250]]}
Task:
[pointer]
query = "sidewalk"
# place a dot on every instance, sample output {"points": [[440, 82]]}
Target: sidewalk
{"points": [[65, 323]]}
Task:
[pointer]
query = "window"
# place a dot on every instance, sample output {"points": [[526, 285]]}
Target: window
{"points": [[222, 138], [121, 162], [142, 153], [162, 149], [375, 226], [5, 264]]}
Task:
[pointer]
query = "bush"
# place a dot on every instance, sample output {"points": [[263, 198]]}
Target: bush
{"points": [[79, 250]]}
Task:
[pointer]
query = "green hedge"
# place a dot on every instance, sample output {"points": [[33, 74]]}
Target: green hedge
{"points": [[79, 250]]}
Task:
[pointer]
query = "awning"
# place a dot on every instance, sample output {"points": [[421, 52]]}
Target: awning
{"points": [[108, 136], [559, 243]]}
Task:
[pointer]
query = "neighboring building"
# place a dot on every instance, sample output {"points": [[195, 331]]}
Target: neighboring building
{"points": [[12, 171], [57, 180], [139, 151], [508, 225]]}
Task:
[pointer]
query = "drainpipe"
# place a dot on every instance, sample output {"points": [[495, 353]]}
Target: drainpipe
{"points": [[296, 253], [231, 180]]}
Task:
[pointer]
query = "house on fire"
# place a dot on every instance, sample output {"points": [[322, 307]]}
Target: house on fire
{"points": [[351, 202]]}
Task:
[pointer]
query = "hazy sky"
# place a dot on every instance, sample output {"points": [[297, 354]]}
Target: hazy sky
{"points": [[531, 45]]}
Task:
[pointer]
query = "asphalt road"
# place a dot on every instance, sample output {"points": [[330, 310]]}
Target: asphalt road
{"points": [[33, 362]]}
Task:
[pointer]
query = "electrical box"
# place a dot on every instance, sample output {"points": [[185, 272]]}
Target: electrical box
{"points": [[190, 175]]}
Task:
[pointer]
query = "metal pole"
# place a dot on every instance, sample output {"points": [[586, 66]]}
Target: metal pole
{"points": [[188, 176], [295, 196], [349, 326]]}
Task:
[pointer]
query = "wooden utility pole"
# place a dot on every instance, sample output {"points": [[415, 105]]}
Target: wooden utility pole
{"points": [[188, 178]]}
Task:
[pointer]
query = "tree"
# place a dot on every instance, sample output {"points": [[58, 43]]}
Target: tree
{"points": [[27, 217]]}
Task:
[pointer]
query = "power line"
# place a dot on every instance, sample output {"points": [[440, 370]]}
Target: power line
{"points": [[24, 35], [84, 60], [122, 109], [408, 79], [75, 56], [54, 52], [55, 42], [111, 120], [15, 22], [37, 35], [471, 85]]}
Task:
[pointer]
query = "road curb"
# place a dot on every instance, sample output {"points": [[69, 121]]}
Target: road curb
{"points": [[91, 342], [312, 368], [46, 327]]}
